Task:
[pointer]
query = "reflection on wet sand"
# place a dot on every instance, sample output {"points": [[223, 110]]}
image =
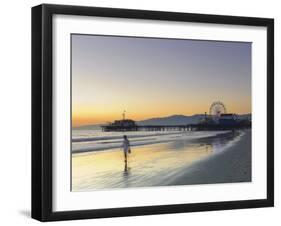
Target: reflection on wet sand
{"points": [[149, 165]]}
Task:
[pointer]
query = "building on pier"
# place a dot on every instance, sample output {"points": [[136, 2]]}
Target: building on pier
{"points": [[121, 125]]}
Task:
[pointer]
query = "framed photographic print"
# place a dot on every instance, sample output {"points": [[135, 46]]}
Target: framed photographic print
{"points": [[145, 112]]}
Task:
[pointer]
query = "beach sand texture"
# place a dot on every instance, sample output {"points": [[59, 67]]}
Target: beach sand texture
{"points": [[224, 158], [228, 166]]}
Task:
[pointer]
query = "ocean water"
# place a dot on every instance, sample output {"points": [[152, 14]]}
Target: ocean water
{"points": [[97, 140], [98, 159]]}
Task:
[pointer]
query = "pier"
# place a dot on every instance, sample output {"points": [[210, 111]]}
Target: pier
{"points": [[218, 119], [190, 127], [108, 128]]}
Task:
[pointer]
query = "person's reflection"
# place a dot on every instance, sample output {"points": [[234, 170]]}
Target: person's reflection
{"points": [[126, 169], [126, 175]]}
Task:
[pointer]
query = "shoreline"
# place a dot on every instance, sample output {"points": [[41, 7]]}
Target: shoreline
{"points": [[150, 140], [231, 165]]}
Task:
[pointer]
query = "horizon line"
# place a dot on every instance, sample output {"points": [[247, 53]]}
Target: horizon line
{"points": [[98, 124]]}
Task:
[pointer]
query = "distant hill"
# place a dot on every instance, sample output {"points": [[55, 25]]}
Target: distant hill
{"points": [[172, 120], [89, 127]]}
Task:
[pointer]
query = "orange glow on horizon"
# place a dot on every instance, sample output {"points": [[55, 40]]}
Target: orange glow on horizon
{"points": [[90, 116]]}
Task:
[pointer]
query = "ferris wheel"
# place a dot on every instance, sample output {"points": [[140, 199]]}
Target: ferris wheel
{"points": [[217, 108]]}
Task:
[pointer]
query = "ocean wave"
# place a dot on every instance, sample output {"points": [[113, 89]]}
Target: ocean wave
{"points": [[115, 142], [120, 136]]}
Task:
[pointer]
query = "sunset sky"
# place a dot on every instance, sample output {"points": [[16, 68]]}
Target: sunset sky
{"points": [[151, 77]]}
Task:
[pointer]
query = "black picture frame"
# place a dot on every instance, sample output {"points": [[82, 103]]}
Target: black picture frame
{"points": [[42, 107]]}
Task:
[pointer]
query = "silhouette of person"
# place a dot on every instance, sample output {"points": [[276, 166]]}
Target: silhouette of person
{"points": [[126, 149]]}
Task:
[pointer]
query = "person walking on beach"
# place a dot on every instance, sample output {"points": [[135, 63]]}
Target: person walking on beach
{"points": [[126, 148]]}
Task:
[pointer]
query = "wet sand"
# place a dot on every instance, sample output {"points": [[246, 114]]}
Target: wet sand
{"points": [[221, 159], [231, 165]]}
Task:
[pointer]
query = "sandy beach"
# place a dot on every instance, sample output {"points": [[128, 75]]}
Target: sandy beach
{"points": [[221, 158], [231, 165]]}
